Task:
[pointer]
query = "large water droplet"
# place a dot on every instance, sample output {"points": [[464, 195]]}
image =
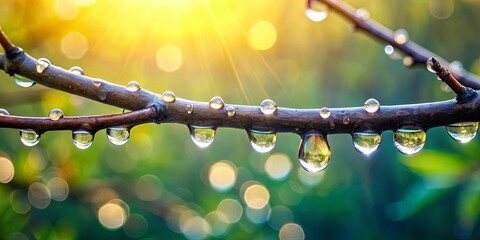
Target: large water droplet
{"points": [[4, 112], [363, 14], [268, 106], [262, 141], [29, 137], [231, 111], [324, 112], [133, 86], [189, 108], [55, 114], [118, 135], [216, 103], [23, 81], [429, 65], [42, 64], [316, 11], [400, 36], [366, 142], [314, 153], [202, 136], [82, 139], [168, 96], [77, 70], [371, 105], [463, 132], [409, 139]]}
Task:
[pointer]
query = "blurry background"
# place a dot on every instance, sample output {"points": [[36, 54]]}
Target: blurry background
{"points": [[161, 185]]}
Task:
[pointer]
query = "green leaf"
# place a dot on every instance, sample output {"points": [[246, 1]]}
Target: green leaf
{"points": [[435, 163]]}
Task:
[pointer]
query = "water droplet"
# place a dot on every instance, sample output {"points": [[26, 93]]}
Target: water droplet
{"points": [[82, 139], [346, 120], [457, 67], [29, 137], [189, 108], [97, 83], [371, 105], [216, 103], [325, 112], [366, 142], [429, 65], [409, 139], [55, 114], [400, 36], [23, 81], [118, 135], [262, 141], [393, 53], [314, 153], [202, 136], [230, 111], [77, 70], [408, 61], [316, 11], [462, 132], [168, 96], [363, 14], [42, 64], [268, 106], [4, 112], [133, 86]]}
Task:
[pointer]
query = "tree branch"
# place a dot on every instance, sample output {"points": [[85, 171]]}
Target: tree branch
{"points": [[91, 123], [186, 112], [419, 54]]}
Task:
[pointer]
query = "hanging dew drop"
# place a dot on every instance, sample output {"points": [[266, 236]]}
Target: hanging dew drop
{"points": [[462, 132], [42, 64], [371, 105], [409, 139], [316, 11], [268, 106], [82, 139], [118, 135], [230, 111], [77, 70], [29, 137], [133, 86], [189, 108], [429, 65], [324, 112], [168, 96], [366, 142], [97, 83], [202, 136], [216, 103], [55, 114], [400, 36], [23, 81], [363, 14], [4, 112], [262, 141], [314, 152]]}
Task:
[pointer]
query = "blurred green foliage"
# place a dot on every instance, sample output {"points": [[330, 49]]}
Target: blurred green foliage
{"points": [[432, 195]]}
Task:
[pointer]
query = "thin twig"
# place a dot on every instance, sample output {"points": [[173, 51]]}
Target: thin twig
{"points": [[419, 54], [91, 123]]}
